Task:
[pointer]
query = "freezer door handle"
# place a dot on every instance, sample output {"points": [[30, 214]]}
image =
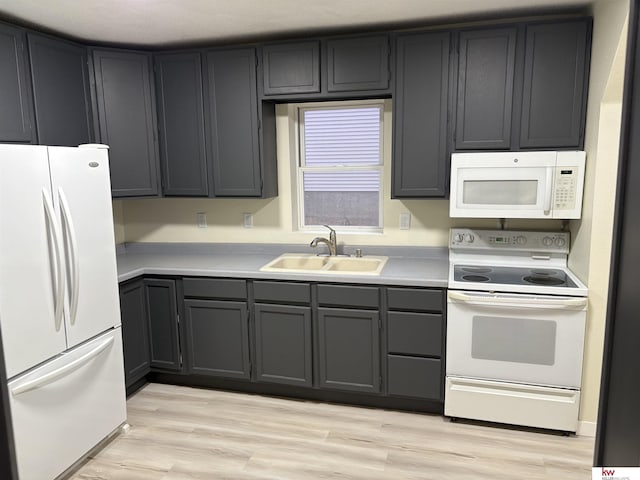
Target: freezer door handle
{"points": [[58, 271], [62, 371], [74, 268]]}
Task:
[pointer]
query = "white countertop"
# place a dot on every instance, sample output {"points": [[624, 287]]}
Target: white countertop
{"points": [[407, 266]]}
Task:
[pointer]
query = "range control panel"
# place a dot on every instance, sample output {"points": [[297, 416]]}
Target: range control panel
{"points": [[512, 240]]}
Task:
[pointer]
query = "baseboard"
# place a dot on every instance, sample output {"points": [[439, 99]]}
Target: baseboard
{"points": [[586, 429]]}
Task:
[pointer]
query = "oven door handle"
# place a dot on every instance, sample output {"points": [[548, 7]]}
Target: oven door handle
{"points": [[528, 301]]}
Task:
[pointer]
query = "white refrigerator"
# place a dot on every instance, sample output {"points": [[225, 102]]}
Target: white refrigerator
{"points": [[59, 307]]}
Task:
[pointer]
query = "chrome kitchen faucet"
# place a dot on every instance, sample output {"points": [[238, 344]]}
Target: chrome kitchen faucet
{"points": [[332, 243]]}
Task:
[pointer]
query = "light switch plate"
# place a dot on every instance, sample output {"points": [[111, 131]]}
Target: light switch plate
{"points": [[247, 220], [405, 221]]}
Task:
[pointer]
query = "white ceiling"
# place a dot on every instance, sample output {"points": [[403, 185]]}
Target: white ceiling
{"points": [[165, 22]]}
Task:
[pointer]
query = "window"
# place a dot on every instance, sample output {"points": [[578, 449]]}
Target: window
{"points": [[339, 165]]}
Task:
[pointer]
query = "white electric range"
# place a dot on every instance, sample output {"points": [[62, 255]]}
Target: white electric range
{"points": [[515, 329]]}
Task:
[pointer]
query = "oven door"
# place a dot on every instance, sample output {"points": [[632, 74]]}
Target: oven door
{"points": [[530, 339]]}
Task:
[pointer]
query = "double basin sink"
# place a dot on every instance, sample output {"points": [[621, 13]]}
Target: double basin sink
{"points": [[309, 263]]}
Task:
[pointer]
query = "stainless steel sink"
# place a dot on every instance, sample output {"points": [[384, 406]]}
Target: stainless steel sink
{"points": [[309, 263]]}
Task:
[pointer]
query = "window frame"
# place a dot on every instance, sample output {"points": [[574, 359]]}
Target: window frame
{"points": [[299, 168]]}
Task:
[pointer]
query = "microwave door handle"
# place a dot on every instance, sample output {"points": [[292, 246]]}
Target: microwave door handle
{"points": [[548, 191]]}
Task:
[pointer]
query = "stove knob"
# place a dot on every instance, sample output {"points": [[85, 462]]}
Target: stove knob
{"points": [[547, 241], [458, 237], [469, 238], [521, 240], [560, 242]]}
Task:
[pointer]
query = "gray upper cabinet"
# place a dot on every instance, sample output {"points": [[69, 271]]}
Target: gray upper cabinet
{"points": [[231, 109], [16, 106], [420, 105], [359, 63], [486, 69], [291, 68], [349, 349], [555, 84], [61, 91], [162, 312], [181, 124], [127, 121]]}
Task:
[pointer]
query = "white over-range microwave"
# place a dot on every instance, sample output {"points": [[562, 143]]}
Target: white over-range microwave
{"points": [[517, 184]]}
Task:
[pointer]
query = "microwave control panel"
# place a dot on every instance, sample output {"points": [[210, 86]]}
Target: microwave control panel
{"points": [[566, 187]]}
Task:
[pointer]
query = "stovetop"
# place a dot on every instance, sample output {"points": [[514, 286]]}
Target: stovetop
{"points": [[512, 261], [512, 275]]}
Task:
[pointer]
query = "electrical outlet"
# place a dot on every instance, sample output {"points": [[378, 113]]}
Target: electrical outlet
{"points": [[247, 220], [405, 221], [201, 219]]}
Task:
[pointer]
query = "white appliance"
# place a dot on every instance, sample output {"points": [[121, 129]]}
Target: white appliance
{"points": [[59, 309], [517, 184], [515, 329]]}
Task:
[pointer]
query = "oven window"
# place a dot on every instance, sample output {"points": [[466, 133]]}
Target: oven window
{"points": [[520, 340], [500, 192]]}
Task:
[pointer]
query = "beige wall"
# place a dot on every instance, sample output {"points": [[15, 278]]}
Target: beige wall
{"points": [[118, 221], [591, 248], [174, 220]]}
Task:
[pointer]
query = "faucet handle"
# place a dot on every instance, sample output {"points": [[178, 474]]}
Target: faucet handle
{"points": [[332, 233]]}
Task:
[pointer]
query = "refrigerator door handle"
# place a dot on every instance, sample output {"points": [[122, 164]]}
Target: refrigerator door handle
{"points": [[74, 268], [59, 274], [64, 370]]}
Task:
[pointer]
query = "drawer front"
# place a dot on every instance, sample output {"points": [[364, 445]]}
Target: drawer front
{"points": [[415, 333], [348, 296], [281, 292], [415, 377], [417, 299], [224, 288]]}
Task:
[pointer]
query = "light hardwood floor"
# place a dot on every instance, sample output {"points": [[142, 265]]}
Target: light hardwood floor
{"points": [[180, 433]]}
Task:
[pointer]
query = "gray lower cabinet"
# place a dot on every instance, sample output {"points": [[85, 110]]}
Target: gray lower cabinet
{"points": [[358, 63], [127, 121], [162, 312], [181, 124], [135, 331], [555, 84], [290, 68], [486, 69], [420, 160], [415, 346], [217, 338], [283, 344], [16, 102], [349, 349], [231, 112], [61, 91]]}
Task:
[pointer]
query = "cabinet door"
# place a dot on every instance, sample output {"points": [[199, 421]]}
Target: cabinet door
{"points": [[358, 64], [283, 344], [135, 332], [291, 68], [349, 349], [232, 122], [163, 324], [16, 104], [181, 124], [61, 91], [420, 161], [217, 338], [555, 90], [486, 68], [127, 123]]}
